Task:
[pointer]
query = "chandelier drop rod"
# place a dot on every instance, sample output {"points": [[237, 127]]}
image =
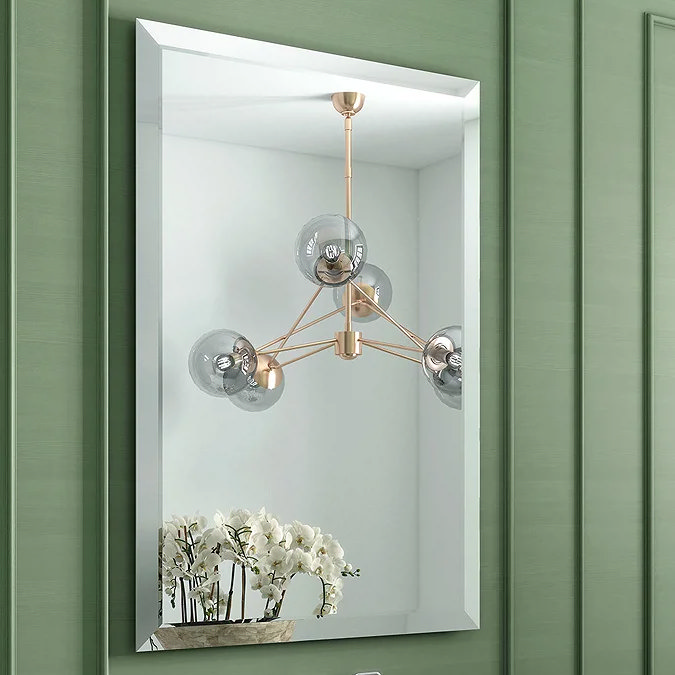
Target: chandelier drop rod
{"points": [[392, 352], [296, 322], [415, 339], [348, 205]]}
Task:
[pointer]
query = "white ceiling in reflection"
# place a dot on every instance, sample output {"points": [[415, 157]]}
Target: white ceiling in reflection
{"points": [[246, 103]]}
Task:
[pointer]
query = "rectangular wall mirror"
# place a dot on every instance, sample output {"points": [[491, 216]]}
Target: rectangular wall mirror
{"points": [[307, 328]]}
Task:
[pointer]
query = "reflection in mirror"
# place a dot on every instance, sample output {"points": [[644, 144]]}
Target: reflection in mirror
{"points": [[307, 306]]}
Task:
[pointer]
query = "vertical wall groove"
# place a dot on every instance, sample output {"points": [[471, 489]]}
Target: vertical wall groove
{"points": [[648, 351], [95, 335], [103, 336], [8, 303], [508, 618], [580, 331]]}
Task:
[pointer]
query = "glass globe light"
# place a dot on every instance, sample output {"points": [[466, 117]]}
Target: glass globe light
{"points": [[221, 361], [330, 250], [376, 284], [442, 365], [450, 392], [263, 389]]}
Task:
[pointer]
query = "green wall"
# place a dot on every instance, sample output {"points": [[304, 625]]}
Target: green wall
{"points": [[578, 290]]}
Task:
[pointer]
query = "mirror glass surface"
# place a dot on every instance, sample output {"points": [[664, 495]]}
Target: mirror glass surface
{"points": [[238, 147]]}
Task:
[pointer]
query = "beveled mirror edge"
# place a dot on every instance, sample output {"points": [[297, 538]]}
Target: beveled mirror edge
{"points": [[148, 333]]}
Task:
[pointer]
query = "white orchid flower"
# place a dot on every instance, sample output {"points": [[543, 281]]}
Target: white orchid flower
{"points": [[334, 595], [214, 537], [207, 584], [271, 592], [303, 536], [268, 526], [324, 609], [238, 519], [259, 580], [301, 562], [278, 560], [170, 548], [194, 523], [273, 553], [205, 564], [328, 545], [229, 555], [277, 555], [323, 567], [170, 529]]}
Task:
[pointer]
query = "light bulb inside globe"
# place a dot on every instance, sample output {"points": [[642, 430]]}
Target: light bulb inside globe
{"points": [[221, 361], [443, 366], [330, 250]]}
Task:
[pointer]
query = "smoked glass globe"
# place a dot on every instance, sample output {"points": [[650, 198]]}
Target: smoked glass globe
{"points": [[330, 250], [255, 397], [376, 284], [450, 390], [442, 365], [221, 361]]}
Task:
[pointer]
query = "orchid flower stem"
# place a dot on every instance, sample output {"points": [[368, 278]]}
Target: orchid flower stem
{"points": [[277, 610], [229, 595], [267, 604], [323, 590], [183, 607], [243, 592]]}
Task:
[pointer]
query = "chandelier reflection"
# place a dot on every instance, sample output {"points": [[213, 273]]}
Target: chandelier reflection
{"points": [[330, 251]]}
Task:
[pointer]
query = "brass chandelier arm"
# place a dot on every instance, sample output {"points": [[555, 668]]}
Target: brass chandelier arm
{"points": [[304, 356], [391, 344], [417, 340], [316, 343], [267, 345], [297, 321], [392, 352]]}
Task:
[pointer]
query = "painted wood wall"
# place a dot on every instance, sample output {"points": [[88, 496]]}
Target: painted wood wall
{"points": [[578, 317]]}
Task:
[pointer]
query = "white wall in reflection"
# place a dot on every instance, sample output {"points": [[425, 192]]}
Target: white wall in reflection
{"points": [[362, 449]]}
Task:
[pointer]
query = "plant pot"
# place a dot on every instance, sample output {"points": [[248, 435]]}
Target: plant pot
{"points": [[193, 636]]}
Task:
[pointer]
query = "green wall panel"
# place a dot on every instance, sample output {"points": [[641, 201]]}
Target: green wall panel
{"points": [[613, 237], [543, 232], [662, 127], [575, 573], [53, 213]]}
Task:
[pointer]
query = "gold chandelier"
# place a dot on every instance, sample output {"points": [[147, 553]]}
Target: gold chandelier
{"points": [[331, 252]]}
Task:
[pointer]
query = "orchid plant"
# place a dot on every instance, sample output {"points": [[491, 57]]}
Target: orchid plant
{"points": [[199, 564]]}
